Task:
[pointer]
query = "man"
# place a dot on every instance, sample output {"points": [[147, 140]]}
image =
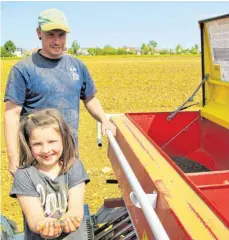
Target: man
{"points": [[49, 79]]}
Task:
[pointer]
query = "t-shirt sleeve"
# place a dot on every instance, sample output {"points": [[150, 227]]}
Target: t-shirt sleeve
{"points": [[88, 86], [16, 87], [23, 185], [77, 174]]}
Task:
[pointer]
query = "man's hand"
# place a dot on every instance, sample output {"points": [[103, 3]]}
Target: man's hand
{"points": [[95, 109], [107, 125], [50, 228], [12, 167]]}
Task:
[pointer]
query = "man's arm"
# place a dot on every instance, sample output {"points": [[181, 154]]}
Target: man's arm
{"points": [[11, 126], [94, 107]]}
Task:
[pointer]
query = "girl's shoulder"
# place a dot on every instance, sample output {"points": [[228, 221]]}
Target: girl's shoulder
{"points": [[25, 173], [24, 183], [77, 174], [22, 171], [75, 166]]}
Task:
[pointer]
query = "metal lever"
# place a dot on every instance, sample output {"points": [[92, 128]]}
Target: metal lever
{"points": [[190, 99]]}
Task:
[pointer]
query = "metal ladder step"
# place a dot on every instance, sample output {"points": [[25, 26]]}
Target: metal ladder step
{"points": [[119, 228], [122, 231], [131, 235], [106, 225]]}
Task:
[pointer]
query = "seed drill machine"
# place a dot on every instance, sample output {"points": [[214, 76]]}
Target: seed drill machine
{"points": [[172, 167]]}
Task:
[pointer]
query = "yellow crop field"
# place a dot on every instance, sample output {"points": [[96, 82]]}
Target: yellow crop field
{"points": [[124, 84]]}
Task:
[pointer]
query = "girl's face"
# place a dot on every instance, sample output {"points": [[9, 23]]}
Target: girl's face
{"points": [[46, 146]]}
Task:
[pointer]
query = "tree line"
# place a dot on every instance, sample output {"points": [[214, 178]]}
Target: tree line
{"points": [[150, 48], [146, 49]]}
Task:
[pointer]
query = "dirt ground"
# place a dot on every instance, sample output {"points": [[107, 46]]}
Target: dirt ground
{"points": [[124, 84]]}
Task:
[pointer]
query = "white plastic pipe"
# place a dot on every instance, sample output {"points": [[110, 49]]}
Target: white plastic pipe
{"points": [[152, 218], [98, 126], [99, 135]]}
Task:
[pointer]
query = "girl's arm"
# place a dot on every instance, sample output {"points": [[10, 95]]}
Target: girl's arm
{"points": [[72, 218], [24, 190], [33, 211], [76, 200], [77, 179], [45, 226]]}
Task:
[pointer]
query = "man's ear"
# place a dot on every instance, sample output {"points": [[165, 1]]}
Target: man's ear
{"points": [[39, 33]]}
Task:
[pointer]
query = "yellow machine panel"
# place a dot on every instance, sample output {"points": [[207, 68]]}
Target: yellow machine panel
{"points": [[215, 62]]}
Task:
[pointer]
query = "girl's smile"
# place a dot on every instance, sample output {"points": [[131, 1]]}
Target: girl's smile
{"points": [[48, 157]]}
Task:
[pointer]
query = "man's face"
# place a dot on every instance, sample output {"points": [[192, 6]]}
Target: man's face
{"points": [[53, 42]]}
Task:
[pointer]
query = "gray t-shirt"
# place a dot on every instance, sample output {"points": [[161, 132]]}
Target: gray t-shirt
{"points": [[53, 194], [37, 82]]}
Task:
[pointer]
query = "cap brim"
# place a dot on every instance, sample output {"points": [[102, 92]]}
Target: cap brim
{"points": [[52, 26]]}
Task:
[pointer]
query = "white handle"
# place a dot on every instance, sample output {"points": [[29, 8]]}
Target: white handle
{"points": [[99, 135], [98, 126], [151, 216]]}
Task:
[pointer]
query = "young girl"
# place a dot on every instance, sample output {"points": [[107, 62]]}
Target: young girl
{"points": [[50, 181]]}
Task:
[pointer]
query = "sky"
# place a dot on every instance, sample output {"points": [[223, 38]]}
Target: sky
{"points": [[100, 23]]}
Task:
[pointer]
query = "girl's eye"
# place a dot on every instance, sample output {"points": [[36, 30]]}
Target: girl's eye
{"points": [[36, 144], [52, 141]]}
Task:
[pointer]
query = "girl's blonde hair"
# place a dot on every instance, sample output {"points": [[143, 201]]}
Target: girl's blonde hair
{"points": [[41, 118]]}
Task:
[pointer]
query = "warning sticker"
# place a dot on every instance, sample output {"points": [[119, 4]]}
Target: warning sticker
{"points": [[218, 32]]}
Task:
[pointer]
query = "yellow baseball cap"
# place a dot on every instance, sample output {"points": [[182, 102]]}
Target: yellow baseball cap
{"points": [[52, 19]]}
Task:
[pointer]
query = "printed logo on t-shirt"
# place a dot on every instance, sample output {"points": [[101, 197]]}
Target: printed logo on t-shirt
{"points": [[54, 203], [74, 73]]}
